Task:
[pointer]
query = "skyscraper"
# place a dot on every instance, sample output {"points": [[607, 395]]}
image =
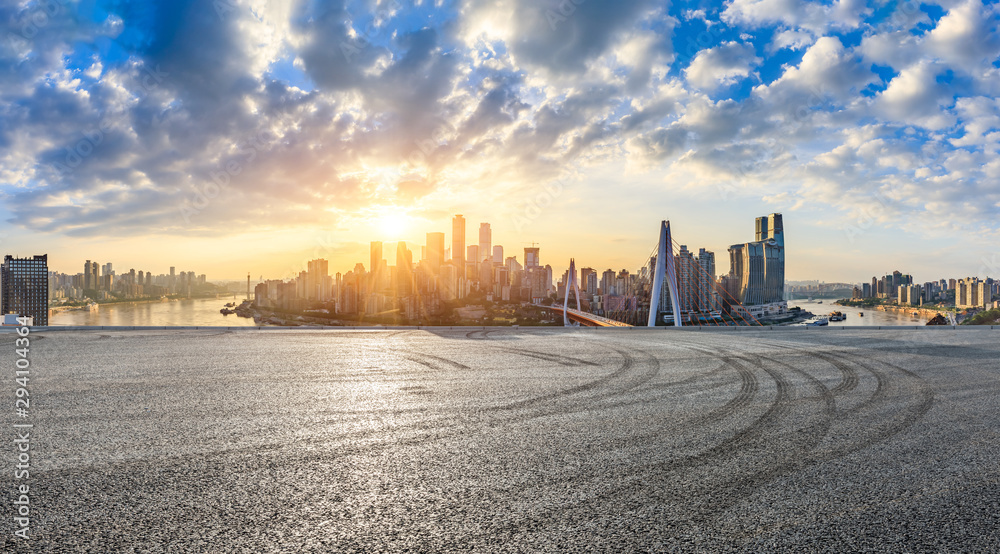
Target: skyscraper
{"points": [[24, 287], [686, 279], [585, 280], [531, 258], [375, 265], [316, 279], [759, 266], [972, 293], [708, 297], [458, 242], [472, 254], [608, 282], [485, 241], [404, 260], [435, 252], [91, 279], [498, 254]]}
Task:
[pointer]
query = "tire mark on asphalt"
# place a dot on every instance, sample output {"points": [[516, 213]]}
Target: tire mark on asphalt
{"points": [[435, 362], [806, 439], [561, 360]]}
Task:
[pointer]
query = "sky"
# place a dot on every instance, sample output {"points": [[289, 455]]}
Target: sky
{"points": [[232, 136]]}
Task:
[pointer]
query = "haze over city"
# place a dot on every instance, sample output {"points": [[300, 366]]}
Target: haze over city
{"points": [[237, 138], [363, 276]]}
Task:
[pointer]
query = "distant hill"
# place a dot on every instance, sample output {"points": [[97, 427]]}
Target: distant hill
{"points": [[989, 317]]}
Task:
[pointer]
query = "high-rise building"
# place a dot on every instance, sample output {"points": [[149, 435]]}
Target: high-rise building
{"points": [[471, 269], [404, 275], [317, 275], [485, 241], [686, 279], [486, 275], [909, 294], [973, 293], [708, 296], [24, 287], [498, 254], [608, 282], [531, 258], [585, 274], [435, 252], [458, 241], [760, 265], [375, 264], [91, 277]]}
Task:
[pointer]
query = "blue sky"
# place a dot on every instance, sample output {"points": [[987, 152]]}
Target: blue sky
{"points": [[236, 135]]}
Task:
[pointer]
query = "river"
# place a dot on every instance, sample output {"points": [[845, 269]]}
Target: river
{"points": [[199, 312], [871, 317], [205, 312]]}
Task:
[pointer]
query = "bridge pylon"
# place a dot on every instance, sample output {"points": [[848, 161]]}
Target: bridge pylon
{"points": [[664, 268], [571, 284]]}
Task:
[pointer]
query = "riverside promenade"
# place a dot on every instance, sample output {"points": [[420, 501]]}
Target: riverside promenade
{"points": [[511, 440]]}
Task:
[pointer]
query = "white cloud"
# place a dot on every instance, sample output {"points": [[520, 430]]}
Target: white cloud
{"points": [[723, 65], [499, 101], [827, 71], [794, 40], [966, 37], [980, 119], [915, 97], [812, 16]]}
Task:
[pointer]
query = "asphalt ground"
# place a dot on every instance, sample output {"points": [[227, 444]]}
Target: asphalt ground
{"points": [[509, 441]]}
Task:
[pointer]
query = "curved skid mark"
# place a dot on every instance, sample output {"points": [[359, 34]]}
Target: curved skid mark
{"points": [[561, 360]]}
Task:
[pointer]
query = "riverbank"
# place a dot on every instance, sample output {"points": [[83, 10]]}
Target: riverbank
{"points": [[910, 310], [129, 302], [864, 316], [175, 312]]}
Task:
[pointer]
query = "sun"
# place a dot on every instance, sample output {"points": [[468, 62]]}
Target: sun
{"points": [[391, 225]]}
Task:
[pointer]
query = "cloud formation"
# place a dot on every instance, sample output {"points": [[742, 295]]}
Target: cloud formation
{"points": [[202, 118]]}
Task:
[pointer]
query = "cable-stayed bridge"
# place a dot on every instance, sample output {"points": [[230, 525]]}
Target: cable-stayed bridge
{"points": [[678, 292]]}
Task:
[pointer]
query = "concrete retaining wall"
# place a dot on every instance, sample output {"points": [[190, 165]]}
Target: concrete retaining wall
{"points": [[687, 328]]}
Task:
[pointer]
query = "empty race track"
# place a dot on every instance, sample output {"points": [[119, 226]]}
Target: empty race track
{"points": [[514, 440]]}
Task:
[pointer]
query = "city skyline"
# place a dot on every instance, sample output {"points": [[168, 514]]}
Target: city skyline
{"points": [[428, 287], [364, 256], [314, 129]]}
